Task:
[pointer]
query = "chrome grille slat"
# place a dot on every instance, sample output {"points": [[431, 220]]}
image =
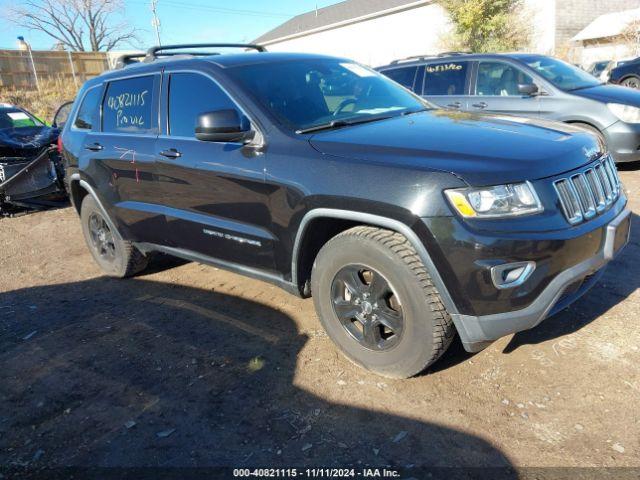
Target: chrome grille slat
{"points": [[585, 194], [587, 203], [596, 189]]}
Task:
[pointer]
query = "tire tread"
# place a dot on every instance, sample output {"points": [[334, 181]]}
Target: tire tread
{"points": [[444, 330]]}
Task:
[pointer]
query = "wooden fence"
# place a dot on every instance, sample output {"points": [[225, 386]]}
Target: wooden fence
{"points": [[16, 69]]}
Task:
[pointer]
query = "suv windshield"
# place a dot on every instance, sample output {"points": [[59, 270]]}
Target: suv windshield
{"points": [[563, 75], [311, 93], [11, 117]]}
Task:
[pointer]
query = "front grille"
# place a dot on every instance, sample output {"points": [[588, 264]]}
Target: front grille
{"points": [[2, 178], [586, 194]]}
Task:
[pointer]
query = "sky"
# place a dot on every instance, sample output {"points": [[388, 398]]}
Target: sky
{"points": [[183, 21]]}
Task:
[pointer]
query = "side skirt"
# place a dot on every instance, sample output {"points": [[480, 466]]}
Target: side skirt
{"points": [[192, 256]]}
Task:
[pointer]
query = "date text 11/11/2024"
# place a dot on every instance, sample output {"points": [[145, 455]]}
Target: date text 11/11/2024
{"points": [[315, 473]]}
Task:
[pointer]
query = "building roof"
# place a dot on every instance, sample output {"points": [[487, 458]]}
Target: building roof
{"points": [[349, 11], [608, 25]]}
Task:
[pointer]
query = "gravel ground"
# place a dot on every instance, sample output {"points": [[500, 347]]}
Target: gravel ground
{"points": [[188, 365]]}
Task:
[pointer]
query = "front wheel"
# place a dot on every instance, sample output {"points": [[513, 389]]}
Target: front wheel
{"points": [[376, 301], [118, 258]]}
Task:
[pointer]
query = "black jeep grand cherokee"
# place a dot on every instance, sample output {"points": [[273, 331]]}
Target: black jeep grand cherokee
{"points": [[405, 223]]}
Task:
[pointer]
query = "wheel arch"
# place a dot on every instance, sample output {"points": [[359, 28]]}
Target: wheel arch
{"points": [[79, 189], [313, 221]]}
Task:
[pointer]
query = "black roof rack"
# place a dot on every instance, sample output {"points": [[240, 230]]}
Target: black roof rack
{"points": [[153, 52], [429, 55], [128, 59]]}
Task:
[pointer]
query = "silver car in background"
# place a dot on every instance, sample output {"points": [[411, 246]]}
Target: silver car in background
{"points": [[527, 85]]}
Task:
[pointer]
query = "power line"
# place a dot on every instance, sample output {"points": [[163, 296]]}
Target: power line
{"points": [[223, 10]]}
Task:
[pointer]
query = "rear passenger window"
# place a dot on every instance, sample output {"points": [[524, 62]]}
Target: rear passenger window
{"points": [[191, 94], [405, 76], [89, 112], [446, 78], [129, 106]]}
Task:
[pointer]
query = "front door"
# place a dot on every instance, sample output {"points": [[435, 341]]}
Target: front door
{"points": [[215, 197], [496, 90]]}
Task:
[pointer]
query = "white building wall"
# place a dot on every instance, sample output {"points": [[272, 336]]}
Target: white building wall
{"points": [[543, 21], [605, 50], [377, 41]]}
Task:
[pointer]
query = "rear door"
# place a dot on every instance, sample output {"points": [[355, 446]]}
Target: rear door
{"points": [[446, 83], [496, 90], [214, 192], [125, 156]]}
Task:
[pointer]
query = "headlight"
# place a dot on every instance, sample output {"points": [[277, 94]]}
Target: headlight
{"points": [[495, 202], [626, 113]]}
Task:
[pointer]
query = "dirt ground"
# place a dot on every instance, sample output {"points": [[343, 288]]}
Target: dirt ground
{"points": [[188, 365]]}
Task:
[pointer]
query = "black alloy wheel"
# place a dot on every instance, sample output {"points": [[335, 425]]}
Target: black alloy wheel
{"points": [[367, 307]]}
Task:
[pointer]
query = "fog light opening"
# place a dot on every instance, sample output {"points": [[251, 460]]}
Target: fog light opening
{"points": [[511, 275]]}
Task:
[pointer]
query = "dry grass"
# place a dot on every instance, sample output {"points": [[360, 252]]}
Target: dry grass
{"points": [[44, 103]]}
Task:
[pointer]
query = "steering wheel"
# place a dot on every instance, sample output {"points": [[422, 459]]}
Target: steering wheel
{"points": [[343, 105]]}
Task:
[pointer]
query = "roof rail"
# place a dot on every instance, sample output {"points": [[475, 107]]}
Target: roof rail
{"points": [[128, 59], [153, 52], [453, 53], [428, 55]]}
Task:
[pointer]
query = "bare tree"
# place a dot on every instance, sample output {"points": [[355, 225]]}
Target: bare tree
{"points": [[77, 24], [630, 37]]}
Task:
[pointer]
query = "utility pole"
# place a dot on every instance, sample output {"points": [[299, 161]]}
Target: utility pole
{"points": [[155, 21]]}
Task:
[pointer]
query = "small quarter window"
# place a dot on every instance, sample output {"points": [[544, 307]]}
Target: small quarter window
{"points": [[405, 76], [129, 106], [446, 78], [191, 94], [89, 111]]}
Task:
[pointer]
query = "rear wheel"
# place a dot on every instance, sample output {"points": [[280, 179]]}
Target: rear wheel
{"points": [[118, 258], [376, 301], [631, 82]]}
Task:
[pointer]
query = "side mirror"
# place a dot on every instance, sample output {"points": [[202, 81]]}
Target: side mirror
{"points": [[62, 115], [223, 126], [529, 89]]}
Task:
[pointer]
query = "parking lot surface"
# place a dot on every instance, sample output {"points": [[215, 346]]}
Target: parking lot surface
{"points": [[188, 365]]}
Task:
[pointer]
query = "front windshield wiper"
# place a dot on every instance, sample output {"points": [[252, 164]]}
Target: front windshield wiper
{"points": [[342, 123], [417, 110], [582, 87]]}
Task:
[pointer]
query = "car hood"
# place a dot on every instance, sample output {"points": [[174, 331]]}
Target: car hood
{"points": [[26, 141], [482, 150], [610, 94]]}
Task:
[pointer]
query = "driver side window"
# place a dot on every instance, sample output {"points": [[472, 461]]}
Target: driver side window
{"points": [[500, 79], [191, 94]]}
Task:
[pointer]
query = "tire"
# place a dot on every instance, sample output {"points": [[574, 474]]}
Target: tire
{"points": [[117, 258], [368, 254], [631, 81]]}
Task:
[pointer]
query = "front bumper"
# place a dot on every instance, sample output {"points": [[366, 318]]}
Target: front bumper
{"points": [[477, 332], [623, 141]]}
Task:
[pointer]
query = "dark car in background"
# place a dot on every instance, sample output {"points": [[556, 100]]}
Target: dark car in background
{"points": [[626, 74], [597, 68], [406, 223], [31, 171], [527, 85]]}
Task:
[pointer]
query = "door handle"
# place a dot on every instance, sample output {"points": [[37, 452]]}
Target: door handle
{"points": [[94, 147], [481, 105], [454, 105], [171, 153]]}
